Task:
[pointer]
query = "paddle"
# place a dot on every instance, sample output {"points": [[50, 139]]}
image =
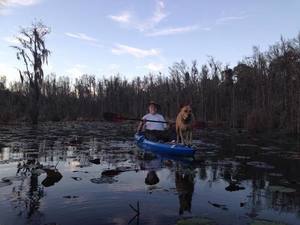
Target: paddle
{"points": [[114, 117]]}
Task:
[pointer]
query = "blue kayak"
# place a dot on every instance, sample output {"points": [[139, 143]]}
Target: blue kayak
{"points": [[164, 148]]}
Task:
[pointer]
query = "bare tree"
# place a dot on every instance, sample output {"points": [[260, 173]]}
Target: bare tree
{"points": [[33, 52]]}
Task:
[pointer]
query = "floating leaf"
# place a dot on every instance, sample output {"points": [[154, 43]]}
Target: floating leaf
{"points": [[76, 178], [242, 157], [281, 189], [12, 178], [70, 196], [234, 187], [266, 222], [261, 165], [196, 221], [104, 180], [247, 145], [275, 174], [5, 183]]}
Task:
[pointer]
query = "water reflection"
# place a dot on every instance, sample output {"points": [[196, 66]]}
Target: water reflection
{"points": [[56, 174], [7, 154], [26, 195], [184, 181], [53, 176]]}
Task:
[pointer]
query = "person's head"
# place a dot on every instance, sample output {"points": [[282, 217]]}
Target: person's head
{"points": [[151, 178], [153, 107]]}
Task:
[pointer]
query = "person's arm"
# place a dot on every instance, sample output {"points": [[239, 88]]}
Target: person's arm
{"points": [[165, 125], [141, 125]]}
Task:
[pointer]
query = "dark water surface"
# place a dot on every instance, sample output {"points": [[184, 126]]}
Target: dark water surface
{"points": [[94, 172]]}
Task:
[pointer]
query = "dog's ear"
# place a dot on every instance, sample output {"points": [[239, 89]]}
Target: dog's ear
{"points": [[184, 104]]}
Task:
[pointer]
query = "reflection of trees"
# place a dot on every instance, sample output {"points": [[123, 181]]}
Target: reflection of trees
{"points": [[184, 181], [202, 173], [35, 193], [26, 198], [260, 197], [283, 202]]}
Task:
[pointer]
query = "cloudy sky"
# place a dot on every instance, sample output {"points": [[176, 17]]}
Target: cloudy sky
{"points": [[135, 37]]}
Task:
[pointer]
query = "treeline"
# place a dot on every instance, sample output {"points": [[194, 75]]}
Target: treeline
{"points": [[261, 93]]}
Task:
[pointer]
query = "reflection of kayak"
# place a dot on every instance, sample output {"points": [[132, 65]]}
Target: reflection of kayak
{"points": [[164, 148]]}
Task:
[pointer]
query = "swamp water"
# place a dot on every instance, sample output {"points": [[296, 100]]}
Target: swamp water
{"points": [[93, 173]]}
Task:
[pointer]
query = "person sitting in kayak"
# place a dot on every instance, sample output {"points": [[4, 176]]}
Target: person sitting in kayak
{"points": [[154, 131]]}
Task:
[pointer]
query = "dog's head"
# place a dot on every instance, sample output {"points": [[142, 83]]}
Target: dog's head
{"points": [[186, 112]]}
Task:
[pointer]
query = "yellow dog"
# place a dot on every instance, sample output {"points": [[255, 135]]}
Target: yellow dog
{"points": [[184, 125]]}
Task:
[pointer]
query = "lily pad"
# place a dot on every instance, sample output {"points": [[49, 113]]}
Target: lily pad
{"points": [[234, 187], [281, 189], [247, 145], [13, 178], [111, 173], [70, 196], [242, 157], [275, 174], [196, 221], [5, 183], [266, 222], [103, 180], [261, 165]]}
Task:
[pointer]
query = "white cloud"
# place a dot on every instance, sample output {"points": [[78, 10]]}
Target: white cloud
{"points": [[154, 67], [124, 17], [139, 24], [113, 67], [10, 40], [157, 17], [76, 71], [81, 36], [12, 73], [6, 5], [14, 3], [13, 40], [97, 45], [175, 30], [223, 20], [9, 71], [136, 52], [159, 13], [18, 2], [48, 68], [148, 26], [110, 69]]}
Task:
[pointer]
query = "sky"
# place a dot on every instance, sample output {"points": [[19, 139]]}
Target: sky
{"points": [[138, 37]]}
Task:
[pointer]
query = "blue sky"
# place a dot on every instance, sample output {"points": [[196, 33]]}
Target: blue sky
{"points": [[135, 37]]}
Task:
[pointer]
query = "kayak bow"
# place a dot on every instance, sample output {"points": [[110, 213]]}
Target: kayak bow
{"points": [[164, 148]]}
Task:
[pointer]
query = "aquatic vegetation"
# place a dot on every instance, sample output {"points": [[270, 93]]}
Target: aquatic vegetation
{"points": [[266, 222], [5, 183], [223, 181], [196, 221], [281, 189], [104, 180], [260, 165]]}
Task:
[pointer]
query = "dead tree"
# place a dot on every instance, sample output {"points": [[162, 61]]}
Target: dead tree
{"points": [[33, 52]]}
